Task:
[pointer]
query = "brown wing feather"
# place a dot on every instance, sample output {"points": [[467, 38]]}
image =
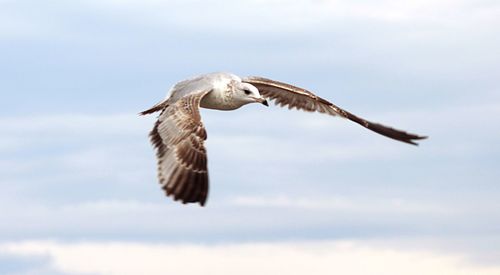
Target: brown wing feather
{"points": [[285, 94], [178, 136]]}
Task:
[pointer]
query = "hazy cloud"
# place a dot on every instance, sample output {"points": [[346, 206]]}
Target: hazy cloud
{"points": [[75, 161], [345, 257]]}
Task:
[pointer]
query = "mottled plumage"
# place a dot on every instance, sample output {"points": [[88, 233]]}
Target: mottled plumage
{"points": [[179, 135]]}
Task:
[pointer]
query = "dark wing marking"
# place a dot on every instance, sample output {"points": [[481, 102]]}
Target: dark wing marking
{"points": [[178, 136], [294, 97]]}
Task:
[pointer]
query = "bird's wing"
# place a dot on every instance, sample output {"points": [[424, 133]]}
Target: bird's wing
{"points": [[178, 136], [285, 94]]}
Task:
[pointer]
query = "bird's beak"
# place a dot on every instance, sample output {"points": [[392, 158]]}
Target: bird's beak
{"points": [[263, 101]]}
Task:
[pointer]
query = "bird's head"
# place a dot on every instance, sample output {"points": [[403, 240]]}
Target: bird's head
{"points": [[247, 93]]}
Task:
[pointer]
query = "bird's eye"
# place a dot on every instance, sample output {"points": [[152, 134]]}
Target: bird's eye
{"points": [[247, 92]]}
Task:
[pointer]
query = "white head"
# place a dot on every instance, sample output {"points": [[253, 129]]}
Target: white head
{"points": [[245, 93]]}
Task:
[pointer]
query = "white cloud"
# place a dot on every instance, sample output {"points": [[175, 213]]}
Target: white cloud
{"points": [[352, 205], [341, 257], [73, 124], [295, 16], [254, 16]]}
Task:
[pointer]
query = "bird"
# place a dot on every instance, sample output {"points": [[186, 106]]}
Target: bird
{"points": [[178, 134]]}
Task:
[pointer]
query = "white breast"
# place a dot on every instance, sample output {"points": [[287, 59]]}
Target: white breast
{"points": [[219, 100]]}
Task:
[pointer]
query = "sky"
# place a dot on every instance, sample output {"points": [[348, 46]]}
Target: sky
{"points": [[290, 192]]}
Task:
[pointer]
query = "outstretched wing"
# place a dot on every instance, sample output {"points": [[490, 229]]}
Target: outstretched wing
{"points": [[178, 136], [294, 97]]}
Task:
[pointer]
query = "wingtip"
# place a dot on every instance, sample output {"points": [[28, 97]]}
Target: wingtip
{"points": [[411, 142], [413, 138], [418, 138]]}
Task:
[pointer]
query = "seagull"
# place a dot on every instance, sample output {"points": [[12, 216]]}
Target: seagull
{"points": [[178, 135]]}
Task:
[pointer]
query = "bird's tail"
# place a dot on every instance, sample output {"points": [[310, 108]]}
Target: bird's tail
{"points": [[158, 107]]}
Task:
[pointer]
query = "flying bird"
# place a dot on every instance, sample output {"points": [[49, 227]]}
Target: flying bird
{"points": [[178, 135]]}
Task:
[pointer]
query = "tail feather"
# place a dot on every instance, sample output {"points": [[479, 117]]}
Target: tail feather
{"points": [[158, 107]]}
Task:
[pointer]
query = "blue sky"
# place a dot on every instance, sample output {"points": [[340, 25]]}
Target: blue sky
{"points": [[77, 170]]}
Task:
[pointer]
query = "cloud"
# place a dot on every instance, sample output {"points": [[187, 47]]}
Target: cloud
{"points": [[361, 205], [302, 167], [341, 257], [409, 51], [300, 14], [74, 166], [121, 219]]}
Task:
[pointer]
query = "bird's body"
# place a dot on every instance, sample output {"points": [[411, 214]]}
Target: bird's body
{"points": [[222, 95], [221, 87], [179, 135]]}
